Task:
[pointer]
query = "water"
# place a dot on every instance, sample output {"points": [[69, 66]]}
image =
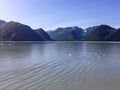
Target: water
{"points": [[59, 66]]}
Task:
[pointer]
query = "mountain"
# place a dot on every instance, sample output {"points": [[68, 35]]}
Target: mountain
{"points": [[114, 35], [97, 33], [43, 34], [67, 34], [2, 22], [14, 31]]}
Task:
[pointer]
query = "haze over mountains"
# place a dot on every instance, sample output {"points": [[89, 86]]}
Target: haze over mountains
{"points": [[67, 34], [14, 31]]}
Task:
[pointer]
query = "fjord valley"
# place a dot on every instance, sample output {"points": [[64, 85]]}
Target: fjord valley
{"points": [[59, 45], [67, 34], [15, 31]]}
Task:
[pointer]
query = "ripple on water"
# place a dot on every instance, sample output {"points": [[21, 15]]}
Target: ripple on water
{"points": [[61, 66]]}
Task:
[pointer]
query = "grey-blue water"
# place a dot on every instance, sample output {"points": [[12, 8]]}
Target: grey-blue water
{"points": [[59, 66]]}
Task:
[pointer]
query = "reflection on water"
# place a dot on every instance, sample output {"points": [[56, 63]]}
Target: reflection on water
{"points": [[59, 66]]}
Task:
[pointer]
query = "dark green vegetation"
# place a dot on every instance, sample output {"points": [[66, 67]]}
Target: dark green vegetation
{"points": [[95, 33], [102, 33], [14, 31], [98, 33], [67, 34], [43, 34], [114, 35]]}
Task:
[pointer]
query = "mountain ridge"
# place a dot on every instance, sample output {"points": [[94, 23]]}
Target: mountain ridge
{"points": [[15, 31], [67, 33]]}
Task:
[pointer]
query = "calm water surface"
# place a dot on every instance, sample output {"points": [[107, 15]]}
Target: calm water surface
{"points": [[59, 66]]}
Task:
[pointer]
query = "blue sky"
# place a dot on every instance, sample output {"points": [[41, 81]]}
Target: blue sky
{"points": [[50, 14]]}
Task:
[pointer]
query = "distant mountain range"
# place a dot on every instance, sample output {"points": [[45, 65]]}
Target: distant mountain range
{"points": [[102, 33], [43, 34], [67, 34], [14, 31], [97, 33]]}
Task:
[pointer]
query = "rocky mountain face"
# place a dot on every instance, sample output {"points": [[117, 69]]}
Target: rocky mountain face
{"points": [[114, 35], [43, 34], [98, 33], [2, 22], [67, 34], [14, 31]]}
